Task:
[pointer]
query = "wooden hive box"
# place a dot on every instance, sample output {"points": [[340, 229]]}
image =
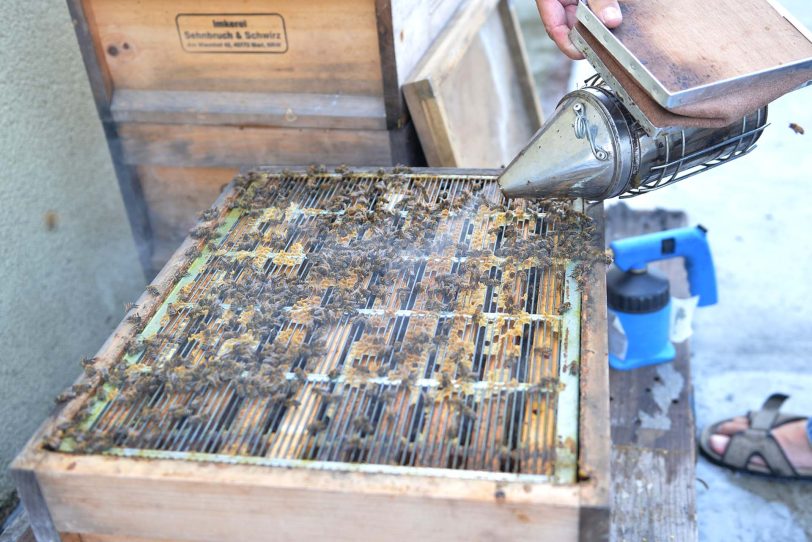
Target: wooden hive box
{"points": [[348, 356], [189, 91]]}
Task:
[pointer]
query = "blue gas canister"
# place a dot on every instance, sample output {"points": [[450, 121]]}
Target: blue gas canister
{"points": [[639, 299]]}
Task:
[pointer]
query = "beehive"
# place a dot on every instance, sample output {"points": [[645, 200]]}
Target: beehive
{"points": [[344, 336], [190, 91]]}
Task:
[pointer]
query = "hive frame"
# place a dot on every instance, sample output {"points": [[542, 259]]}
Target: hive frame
{"points": [[119, 498]]}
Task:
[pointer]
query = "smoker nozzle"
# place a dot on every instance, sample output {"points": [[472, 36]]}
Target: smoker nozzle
{"points": [[592, 148]]}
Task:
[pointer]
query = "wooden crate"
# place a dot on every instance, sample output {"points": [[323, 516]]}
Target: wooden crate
{"points": [[135, 492], [183, 111], [209, 86]]}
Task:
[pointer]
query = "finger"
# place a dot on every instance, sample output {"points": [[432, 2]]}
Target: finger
{"points": [[555, 20], [561, 36], [608, 11]]}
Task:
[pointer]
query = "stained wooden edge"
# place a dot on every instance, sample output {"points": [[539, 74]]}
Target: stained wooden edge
{"points": [[396, 114], [518, 51], [594, 430], [100, 82], [133, 195], [431, 122], [129, 184], [39, 517]]}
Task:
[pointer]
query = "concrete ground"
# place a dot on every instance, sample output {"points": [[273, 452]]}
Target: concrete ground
{"points": [[758, 339]]}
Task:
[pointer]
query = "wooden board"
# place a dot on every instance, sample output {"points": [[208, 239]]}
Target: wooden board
{"points": [[232, 146], [471, 98], [323, 47], [731, 38], [694, 50], [594, 458], [104, 498], [653, 427], [158, 54]]}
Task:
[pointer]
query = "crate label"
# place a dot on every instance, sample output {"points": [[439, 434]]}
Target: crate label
{"points": [[232, 32]]}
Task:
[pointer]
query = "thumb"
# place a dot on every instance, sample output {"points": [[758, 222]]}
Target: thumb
{"points": [[608, 11]]}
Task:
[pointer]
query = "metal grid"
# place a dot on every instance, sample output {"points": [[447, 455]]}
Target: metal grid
{"points": [[455, 347]]}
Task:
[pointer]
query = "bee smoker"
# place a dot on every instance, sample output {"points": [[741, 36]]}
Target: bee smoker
{"points": [[594, 148], [639, 299]]}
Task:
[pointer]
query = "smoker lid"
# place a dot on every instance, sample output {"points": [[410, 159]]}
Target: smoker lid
{"points": [[688, 52]]}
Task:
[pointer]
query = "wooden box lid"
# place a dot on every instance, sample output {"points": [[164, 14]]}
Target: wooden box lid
{"points": [[690, 51]]}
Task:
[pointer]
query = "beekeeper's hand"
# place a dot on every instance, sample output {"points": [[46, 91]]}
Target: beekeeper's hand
{"points": [[559, 17]]}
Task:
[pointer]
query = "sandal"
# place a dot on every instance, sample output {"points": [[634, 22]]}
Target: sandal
{"points": [[757, 441]]}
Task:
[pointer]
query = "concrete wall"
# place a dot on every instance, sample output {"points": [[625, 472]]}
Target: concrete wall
{"points": [[63, 285]]}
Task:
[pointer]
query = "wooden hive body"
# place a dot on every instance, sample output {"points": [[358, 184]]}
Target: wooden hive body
{"points": [[190, 91], [345, 355]]}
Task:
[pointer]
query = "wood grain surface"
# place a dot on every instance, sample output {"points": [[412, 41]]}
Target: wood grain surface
{"points": [[653, 427], [472, 98], [690, 43]]}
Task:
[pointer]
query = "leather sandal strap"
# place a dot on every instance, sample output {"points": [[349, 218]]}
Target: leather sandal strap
{"points": [[743, 446], [764, 419]]}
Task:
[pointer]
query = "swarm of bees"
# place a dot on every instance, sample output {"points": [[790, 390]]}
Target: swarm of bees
{"points": [[258, 316]]}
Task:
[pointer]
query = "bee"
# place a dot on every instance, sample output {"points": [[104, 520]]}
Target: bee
{"points": [[797, 128], [87, 361], [153, 290], [201, 232], [445, 380], [65, 396], [207, 215], [134, 319], [51, 220], [316, 427], [80, 388], [52, 443], [564, 307]]}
